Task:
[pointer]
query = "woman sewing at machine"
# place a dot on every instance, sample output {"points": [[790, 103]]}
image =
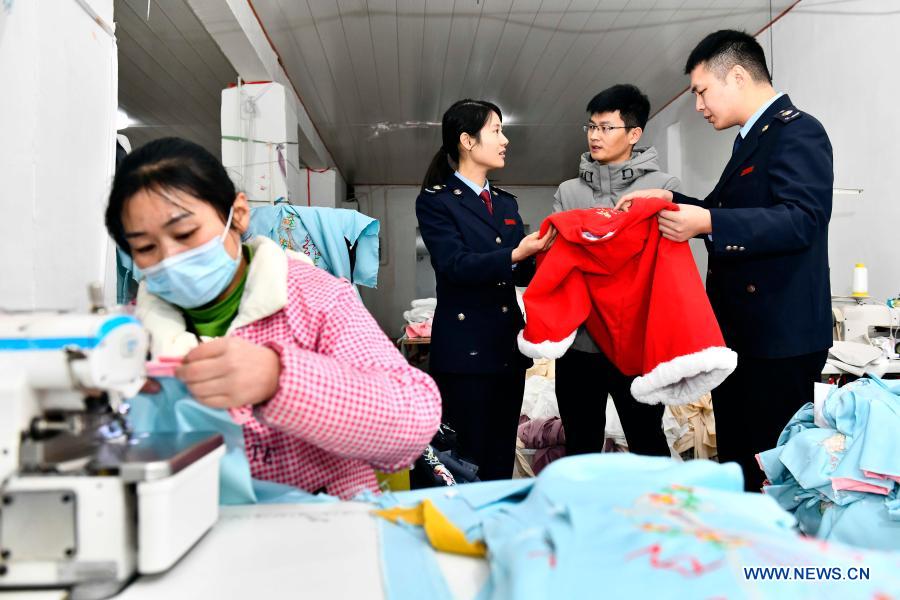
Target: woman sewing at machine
{"points": [[285, 347]]}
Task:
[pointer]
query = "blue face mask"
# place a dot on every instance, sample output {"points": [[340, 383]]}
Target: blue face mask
{"points": [[194, 277]]}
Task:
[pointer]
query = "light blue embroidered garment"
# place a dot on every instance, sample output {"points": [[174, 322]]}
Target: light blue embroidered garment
{"points": [[644, 527], [173, 409], [858, 449], [319, 232], [880, 452], [126, 285]]}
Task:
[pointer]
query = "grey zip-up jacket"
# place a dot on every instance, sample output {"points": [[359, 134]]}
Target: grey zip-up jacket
{"points": [[602, 185]]}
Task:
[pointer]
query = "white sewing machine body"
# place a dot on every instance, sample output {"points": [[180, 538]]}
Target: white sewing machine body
{"points": [[86, 504], [857, 322]]}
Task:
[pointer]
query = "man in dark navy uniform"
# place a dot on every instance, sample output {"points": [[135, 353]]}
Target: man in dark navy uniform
{"points": [[766, 230]]}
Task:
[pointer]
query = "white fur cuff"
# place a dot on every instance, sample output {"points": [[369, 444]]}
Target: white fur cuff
{"points": [[545, 349], [684, 379]]}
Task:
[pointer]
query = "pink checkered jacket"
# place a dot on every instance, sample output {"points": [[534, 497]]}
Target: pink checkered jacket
{"points": [[347, 403]]}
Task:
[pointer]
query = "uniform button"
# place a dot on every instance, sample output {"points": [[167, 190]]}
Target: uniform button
{"points": [[504, 309], [461, 317], [720, 205], [498, 240], [741, 248], [729, 248], [751, 288]]}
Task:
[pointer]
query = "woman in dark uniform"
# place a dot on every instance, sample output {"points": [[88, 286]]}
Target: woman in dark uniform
{"points": [[479, 252]]}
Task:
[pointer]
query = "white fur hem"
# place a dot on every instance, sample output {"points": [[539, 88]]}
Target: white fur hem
{"points": [[684, 379], [545, 349]]}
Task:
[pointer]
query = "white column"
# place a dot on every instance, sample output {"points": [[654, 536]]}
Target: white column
{"points": [[238, 33], [260, 149]]}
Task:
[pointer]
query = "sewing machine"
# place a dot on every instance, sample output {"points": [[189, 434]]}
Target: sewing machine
{"points": [[857, 322], [84, 503]]}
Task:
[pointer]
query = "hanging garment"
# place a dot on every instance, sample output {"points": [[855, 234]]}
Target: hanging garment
{"points": [[640, 296], [326, 236], [126, 284]]}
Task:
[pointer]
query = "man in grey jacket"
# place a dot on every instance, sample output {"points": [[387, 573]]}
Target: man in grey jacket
{"points": [[584, 376]]}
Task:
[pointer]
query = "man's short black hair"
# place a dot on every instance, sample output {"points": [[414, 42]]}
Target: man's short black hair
{"points": [[721, 50], [627, 99]]}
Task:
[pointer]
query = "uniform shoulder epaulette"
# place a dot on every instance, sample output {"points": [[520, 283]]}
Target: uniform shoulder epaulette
{"points": [[787, 115], [502, 191], [433, 189]]}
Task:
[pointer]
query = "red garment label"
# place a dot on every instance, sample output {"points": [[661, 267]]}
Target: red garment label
{"points": [[747, 171], [509, 221]]}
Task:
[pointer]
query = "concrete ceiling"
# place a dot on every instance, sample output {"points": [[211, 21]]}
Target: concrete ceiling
{"points": [[376, 75], [171, 73]]}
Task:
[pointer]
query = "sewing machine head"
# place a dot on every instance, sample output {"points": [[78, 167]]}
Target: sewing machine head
{"points": [[858, 322], [64, 376], [85, 504]]}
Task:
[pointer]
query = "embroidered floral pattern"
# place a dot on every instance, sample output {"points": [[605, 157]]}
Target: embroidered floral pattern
{"points": [[676, 496], [609, 213]]}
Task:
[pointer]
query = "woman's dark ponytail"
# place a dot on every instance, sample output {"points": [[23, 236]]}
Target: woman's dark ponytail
{"points": [[439, 169], [465, 116]]}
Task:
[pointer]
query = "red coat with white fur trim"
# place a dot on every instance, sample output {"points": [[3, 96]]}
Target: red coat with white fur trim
{"points": [[640, 296]]}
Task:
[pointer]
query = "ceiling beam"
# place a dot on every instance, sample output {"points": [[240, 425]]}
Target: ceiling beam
{"points": [[237, 30]]}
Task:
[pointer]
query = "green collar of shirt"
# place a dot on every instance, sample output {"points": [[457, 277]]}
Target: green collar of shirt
{"points": [[213, 320]]}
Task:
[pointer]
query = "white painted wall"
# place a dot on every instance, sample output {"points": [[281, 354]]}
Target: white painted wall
{"points": [[320, 188], [395, 208], [835, 59], [57, 118]]}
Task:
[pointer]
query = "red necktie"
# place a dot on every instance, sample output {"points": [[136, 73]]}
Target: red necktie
{"points": [[486, 196]]}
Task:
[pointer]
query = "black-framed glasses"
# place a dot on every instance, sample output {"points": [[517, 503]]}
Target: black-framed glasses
{"points": [[604, 128]]}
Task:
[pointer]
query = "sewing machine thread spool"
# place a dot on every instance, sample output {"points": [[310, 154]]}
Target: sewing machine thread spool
{"points": [[860, 281]]}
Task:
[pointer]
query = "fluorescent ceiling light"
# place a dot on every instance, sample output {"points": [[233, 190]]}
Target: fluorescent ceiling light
{"points": [[123, 120]]}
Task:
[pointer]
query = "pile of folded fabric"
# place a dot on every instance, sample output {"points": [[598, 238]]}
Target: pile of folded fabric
{"points": [[641, 526], [440, 465], [540, 438], [837, 465], [419, 318], [858, 358], [691, 429], [546, 437]]}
